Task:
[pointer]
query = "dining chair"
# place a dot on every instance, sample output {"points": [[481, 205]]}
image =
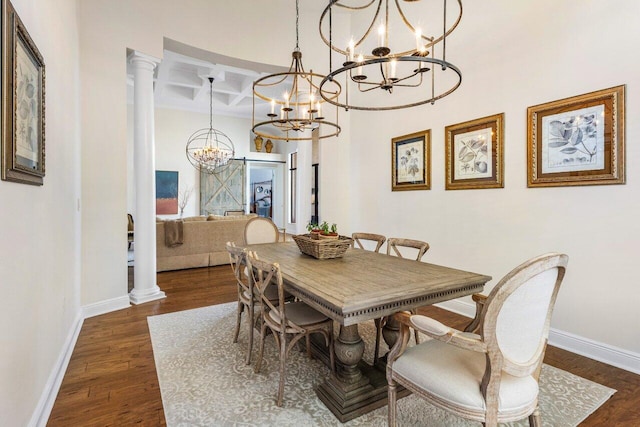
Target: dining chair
{"points": [[238, 261], [260, 230], [395, 243], [491, 376], [360, 238], [295, 320], [247, 297]]}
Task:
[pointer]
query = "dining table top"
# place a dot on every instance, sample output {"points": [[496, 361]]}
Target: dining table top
{"points": [[364, 285]]}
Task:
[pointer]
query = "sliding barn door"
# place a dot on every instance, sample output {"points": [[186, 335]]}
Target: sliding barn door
{"points": [[224, 191]]}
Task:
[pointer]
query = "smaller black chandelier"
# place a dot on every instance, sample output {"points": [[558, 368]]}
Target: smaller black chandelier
{"points": [[297, 103], [411, 72], [208, 149]]}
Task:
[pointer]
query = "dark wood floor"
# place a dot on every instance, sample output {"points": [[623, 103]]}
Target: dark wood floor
{"points": [[111, 379]]}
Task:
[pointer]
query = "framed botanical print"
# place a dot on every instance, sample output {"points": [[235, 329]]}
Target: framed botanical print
{"points": [[410, 162], [577, 141], [23, 120], [475, 154]]}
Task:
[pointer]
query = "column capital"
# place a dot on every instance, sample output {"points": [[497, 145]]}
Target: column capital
{"points": [[140, 59]]}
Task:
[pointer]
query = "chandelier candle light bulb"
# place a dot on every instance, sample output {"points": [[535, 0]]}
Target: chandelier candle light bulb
{"points": [[352, 48], [381, 32]]}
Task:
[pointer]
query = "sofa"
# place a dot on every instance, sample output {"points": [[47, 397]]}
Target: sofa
{"points": [[203, 241]]}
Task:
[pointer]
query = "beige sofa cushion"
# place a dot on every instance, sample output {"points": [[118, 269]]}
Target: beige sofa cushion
{"points": [[203, 243]]}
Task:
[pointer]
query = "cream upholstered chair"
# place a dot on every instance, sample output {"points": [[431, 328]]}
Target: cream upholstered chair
{"points": [[491, 376], [359, 238], [295, 320], [260, 230], [395, 243]]}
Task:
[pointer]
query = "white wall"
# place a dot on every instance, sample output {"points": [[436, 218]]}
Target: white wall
{"points": [[39, 238], [515, 55]]}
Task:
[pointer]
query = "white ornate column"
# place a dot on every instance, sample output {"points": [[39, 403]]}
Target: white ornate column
{"points": [[144, 163]]}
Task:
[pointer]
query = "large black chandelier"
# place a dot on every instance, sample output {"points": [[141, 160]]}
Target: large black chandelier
{"points": [[297, 104], [394, 53]]}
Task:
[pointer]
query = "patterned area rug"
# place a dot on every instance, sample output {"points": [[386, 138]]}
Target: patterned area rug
{"points": [[204, 381]]}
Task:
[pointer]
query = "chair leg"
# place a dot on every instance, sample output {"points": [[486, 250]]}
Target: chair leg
{"points": [[376, 352], [250, 345], [391, 394], [263, 332], [283, 361], [415, 311], [238, 320], [534, 418], [308, 343]]}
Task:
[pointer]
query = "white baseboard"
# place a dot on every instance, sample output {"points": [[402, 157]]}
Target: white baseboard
{"points": [[47, 399], [604, 353], [106, 306]]}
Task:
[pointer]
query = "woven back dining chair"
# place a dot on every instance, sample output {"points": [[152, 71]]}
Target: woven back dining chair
{"points": [[289, 322], [361, 240], [394, 244]]}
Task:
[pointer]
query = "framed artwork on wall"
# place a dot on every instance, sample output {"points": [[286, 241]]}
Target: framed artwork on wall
{"points": [[166, 192], [411, 161], [577, 140], [23, 90], [475, 154]]}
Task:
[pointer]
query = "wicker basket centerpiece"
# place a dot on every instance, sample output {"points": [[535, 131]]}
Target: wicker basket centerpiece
{"points": [[322, 248]]}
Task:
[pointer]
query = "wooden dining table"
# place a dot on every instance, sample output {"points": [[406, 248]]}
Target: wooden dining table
{"points": [[360, 286]]}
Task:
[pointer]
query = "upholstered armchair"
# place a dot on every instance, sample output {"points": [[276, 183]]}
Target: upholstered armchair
{"points": [[491, 376]]}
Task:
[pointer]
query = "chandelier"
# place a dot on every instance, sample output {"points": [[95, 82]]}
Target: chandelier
{"points": [[210, 150], [296, 102], [398, 58]]}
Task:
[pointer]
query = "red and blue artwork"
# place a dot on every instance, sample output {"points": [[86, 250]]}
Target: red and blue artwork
{"points": [[166, 192]]}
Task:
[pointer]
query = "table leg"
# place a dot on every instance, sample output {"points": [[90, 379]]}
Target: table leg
{"points": [[390, 334], [349, 349], [357, 387]]}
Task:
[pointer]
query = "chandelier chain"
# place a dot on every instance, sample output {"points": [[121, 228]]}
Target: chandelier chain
{"points": [[211, 102], [297, 22]]}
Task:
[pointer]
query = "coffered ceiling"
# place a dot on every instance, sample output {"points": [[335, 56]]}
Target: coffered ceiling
{"points": [[181, 82]]}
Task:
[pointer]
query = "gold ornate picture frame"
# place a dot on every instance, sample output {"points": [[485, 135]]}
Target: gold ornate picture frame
{"points": [[475, 154], [577, 140], [411, 161], [23, 95]]}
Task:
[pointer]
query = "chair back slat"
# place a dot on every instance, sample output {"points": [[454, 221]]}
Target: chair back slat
{"points": [[360, 238], [395, 243], [238, 261], [264, 274]]}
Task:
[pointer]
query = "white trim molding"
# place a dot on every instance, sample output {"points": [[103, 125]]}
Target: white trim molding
{"points": [[41, 414], [605, 353], [618, 357], [106, 306]]}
